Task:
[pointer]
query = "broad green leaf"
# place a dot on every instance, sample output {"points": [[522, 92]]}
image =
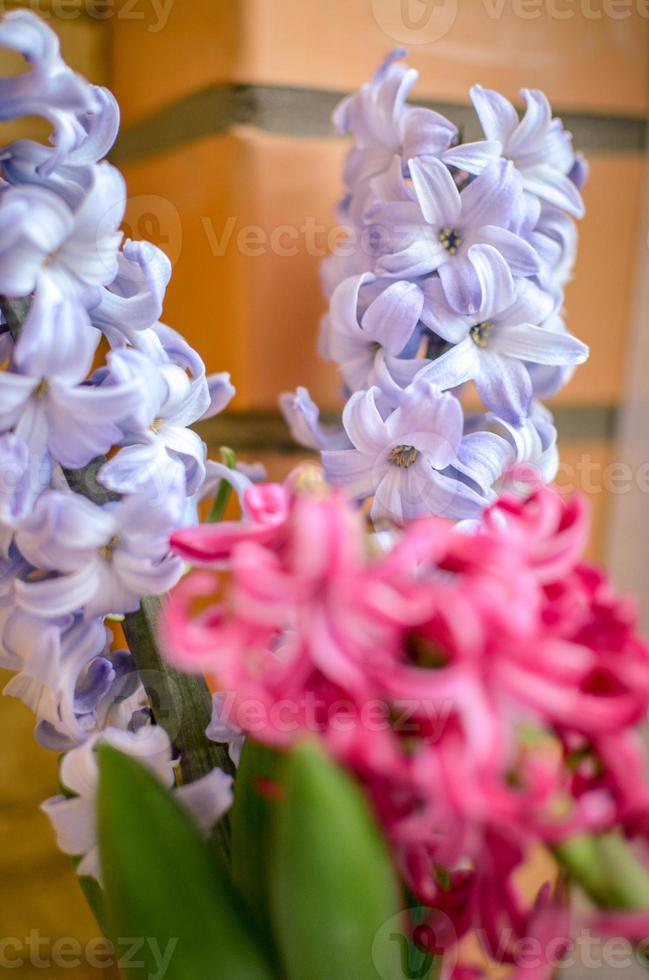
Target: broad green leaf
{"points": [[257, 790], [335, 896], [163, 886]]}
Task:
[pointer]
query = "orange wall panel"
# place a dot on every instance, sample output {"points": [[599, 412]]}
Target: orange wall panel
{"points": [[237, 214], [598, 301], [587, 54], [575, 49], [173, 48]]}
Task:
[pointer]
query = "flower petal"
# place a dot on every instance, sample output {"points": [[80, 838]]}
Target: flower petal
{"points": [[497, 115], [363, 423], [354, 471], [392, 317], [504, 385], [519, 254], [532, 343], [555, 188], [455, 367], [473, 158], [438, 196]]}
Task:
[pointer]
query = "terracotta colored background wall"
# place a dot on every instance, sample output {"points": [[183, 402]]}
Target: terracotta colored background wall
{"points": [[233, 169]]}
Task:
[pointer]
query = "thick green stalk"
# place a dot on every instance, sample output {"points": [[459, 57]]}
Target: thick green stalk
{"points": [[607, 870], [181, 704]]}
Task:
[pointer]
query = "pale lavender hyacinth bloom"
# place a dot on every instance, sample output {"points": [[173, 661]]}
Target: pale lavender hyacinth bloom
{"points": [[303, 418], [23, 476], [99, 127], [491, 447], [46, 403], [538, 145], [108, 556], [399, 459], [487, 241], [554, 236], [492, 346], [533, 442], [66, 172], [66, 671], [133, 300], [383, 125], [42, 238], [74, 819], [65, 561], [548, 379], [50, 89], [156, 437], [11, 567], [384, 325], [223, 730], [464, 236]]}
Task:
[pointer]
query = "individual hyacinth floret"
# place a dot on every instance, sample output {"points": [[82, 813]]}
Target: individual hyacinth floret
{"points": [[67, 561], [451, 277]]}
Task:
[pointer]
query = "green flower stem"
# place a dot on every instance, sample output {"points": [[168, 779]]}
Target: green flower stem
{"points": [[606, 869], [181, 704], [224, 492]]}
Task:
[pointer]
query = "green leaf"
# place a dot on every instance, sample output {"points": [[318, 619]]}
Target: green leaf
{"points": [[94, 896], [334, 891], [163, 886], [256, 793]]}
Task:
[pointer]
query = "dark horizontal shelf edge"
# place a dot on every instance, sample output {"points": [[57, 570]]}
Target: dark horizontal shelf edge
{"points": [[267, 432], [306, 112]]}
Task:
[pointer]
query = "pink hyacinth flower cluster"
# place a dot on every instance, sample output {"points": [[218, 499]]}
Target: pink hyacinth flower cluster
{"points": [[483, 685]]}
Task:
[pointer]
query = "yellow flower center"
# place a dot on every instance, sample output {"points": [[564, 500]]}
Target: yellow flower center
{"points": [[451, 239], [108, 550], [403, 456], [480, 333]]}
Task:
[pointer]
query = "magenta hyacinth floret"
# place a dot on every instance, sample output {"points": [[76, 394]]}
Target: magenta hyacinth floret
{"points": [[484, 686]]}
